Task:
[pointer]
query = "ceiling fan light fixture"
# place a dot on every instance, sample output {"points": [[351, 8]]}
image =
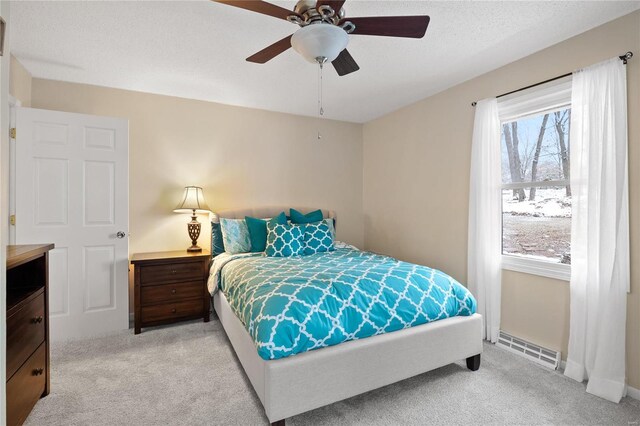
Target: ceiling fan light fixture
{"points": [[319, 41]]}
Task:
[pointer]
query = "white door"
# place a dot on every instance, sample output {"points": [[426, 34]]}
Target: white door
{"points": [[72, 173]]}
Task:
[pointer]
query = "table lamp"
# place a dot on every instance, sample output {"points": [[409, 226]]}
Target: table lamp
{"points": [[193, 202]]}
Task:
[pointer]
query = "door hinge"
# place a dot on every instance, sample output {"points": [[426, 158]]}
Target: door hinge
{"points": [[12, 219], [12, 133]]}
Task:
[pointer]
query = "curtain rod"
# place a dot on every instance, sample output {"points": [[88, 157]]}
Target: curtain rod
{"points": [[624, 58]]}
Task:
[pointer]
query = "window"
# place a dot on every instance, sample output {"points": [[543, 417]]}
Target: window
{"points": [[536, 192]]}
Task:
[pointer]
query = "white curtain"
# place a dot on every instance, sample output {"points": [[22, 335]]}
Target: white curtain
{"points": [[599, 229], [485, 246]]}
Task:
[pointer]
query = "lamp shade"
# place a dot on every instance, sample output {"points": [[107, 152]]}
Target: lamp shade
{"points": [[192, 199], [319, 41]]}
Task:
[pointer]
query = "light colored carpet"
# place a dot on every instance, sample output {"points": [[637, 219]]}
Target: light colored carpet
{"points": [[187, 374]]}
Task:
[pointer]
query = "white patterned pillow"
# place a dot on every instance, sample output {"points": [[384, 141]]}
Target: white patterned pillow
{"points": [[317, 238], [284, 240], [235, 235]]}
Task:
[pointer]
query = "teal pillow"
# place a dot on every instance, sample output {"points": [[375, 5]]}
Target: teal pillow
{"points": [[317, 238], [284, 240], [297, 217], [258, 231], [217, 244]]}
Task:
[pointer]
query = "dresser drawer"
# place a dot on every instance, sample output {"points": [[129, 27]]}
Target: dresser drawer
{"points": [[170, 311], [155, 294], [25, 332], [26, 386], [171, 272]]}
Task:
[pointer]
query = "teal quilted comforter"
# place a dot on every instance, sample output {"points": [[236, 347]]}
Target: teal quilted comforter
{"points": [[297, 304]]}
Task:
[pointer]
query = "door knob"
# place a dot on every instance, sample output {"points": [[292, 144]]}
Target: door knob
{"points": [[120, 234]]}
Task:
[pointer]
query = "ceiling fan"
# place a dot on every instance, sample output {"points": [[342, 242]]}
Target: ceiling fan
{"points": [[324, 30]]}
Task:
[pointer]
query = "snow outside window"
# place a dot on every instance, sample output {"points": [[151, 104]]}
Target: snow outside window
{"points": [[536, 194]]}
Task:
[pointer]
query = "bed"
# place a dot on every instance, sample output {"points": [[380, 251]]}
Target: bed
{"points": [[310, 368]]}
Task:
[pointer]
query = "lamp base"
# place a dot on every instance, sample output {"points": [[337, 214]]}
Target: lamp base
{"points": [[193, 228]]}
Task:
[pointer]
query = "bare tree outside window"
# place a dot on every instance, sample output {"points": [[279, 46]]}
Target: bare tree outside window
{"points": [[561, 123], [535, 157], [515, 166]]}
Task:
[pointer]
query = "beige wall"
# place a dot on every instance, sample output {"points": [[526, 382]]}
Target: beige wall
{"points": [[241, 157], [548, 326], [416, 182], [20, 82]]}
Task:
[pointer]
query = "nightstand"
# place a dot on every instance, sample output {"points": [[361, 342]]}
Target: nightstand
{"points": [[170, 286]]}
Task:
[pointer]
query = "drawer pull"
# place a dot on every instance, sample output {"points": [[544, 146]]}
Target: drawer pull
{"points": [[173, 311], [36, 320], [173, 291], [173, 271], [37, 371]]}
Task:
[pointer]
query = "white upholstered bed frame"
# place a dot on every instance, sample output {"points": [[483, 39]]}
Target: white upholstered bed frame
{"points": [[296, 384]]}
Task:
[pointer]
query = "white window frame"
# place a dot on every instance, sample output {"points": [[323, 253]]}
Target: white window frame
{"points": [[559, 271], [542, 99]]}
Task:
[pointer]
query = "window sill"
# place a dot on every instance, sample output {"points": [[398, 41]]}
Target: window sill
{"points": [[559, 271]]}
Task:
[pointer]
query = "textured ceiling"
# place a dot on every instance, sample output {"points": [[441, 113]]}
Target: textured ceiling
{"points": [[198, 49]]}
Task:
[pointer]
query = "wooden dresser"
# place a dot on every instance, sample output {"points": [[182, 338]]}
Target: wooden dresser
{"points": [[170, 286], [27, 329]]}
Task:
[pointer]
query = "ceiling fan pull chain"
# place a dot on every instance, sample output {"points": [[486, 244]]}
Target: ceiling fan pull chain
{"points": [[321, 100], [320, 108]]}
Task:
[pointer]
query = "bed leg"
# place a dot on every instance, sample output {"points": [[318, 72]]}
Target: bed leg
{"points": [[473, 362], [278, 423]]}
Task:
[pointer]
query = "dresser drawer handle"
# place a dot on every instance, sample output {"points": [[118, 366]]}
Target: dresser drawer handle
{"points": [[173, 291], [37, 371], [173, 271], [36, 320], [173, 311]]}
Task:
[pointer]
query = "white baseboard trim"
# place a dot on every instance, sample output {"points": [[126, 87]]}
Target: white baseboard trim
{"points": [[633, 393]]}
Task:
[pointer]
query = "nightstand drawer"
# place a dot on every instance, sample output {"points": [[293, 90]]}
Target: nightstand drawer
{"points": [[154, 294], [169, 311], [171, 272], [25, 332]]}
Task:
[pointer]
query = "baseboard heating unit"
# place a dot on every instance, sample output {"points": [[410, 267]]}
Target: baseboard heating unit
{"points": [[543, 356]]}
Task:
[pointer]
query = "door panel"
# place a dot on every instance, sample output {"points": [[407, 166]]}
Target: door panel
{"points": [[99, 276], [72, 190], [51, 204], [96, 138], [99, 192], [50, 134]]}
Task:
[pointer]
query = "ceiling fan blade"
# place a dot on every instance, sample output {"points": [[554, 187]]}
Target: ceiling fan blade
{"points": [[390, 26], [336, 5], [260, 7], [344, 63], [271, 52]]}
